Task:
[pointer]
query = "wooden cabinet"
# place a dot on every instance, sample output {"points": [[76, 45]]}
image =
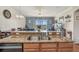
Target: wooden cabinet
{"points": [[31, 47], [44, 47], [48, 47], [76, 47], [65, 44], [65, 47]]}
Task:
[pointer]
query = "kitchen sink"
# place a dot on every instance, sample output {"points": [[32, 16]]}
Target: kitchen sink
{"points": [[38, 38]]}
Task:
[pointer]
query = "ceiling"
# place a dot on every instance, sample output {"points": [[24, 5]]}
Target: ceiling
{"points": [[40, 10]]}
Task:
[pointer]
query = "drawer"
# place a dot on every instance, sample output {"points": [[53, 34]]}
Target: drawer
{"points": [[65, 44], [65, 49], [31, 45], [31, 50], [48, 50], [48, 45]]}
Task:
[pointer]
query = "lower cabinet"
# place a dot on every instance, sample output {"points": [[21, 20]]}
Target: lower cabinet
{"points": [[65, 47], [48, 47], [65, 50], [31, 47], [76, 47]]}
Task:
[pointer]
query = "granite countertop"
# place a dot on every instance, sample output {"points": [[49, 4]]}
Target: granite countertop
{"points": [[10, 39], [30, 31]]}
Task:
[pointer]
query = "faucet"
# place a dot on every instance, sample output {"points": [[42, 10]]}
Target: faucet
{"points": [[29, 38]]}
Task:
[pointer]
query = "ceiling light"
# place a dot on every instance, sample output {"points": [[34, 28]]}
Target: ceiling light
{"points": [[39, 9]]}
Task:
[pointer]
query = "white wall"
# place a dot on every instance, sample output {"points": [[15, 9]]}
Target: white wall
{"points": [[13, 22], [76, 31], [76, 27], [72, 26], [68, 26]]}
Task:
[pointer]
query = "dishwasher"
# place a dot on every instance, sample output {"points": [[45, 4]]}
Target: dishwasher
{"points": [[10, 47]]}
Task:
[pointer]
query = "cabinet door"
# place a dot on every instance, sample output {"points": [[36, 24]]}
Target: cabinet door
{"points": [[65, 47], [31, 45], [76, 48], [65, 44], [48, 45]]}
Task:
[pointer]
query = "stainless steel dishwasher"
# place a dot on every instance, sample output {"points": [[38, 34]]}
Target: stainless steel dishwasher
{"points": [[10, 47]]}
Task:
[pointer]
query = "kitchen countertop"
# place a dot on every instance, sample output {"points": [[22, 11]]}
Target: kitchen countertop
{"points": [[24, 40], [29, 31]]}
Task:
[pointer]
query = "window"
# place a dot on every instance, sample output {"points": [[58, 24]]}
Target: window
{"points": [[41, 22]]}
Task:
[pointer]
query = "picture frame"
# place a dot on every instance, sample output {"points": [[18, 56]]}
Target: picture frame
{"points": [[61, 19]]}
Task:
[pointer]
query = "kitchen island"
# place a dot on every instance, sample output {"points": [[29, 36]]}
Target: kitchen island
{"points": [[55, 44]]}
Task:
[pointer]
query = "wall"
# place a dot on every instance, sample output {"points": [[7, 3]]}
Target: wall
{"points": [[76, 27], [71, 26], [13, 22], [68, 26]]}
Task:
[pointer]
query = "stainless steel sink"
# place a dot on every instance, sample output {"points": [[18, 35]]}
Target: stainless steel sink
{"points": [[38, 38]]}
